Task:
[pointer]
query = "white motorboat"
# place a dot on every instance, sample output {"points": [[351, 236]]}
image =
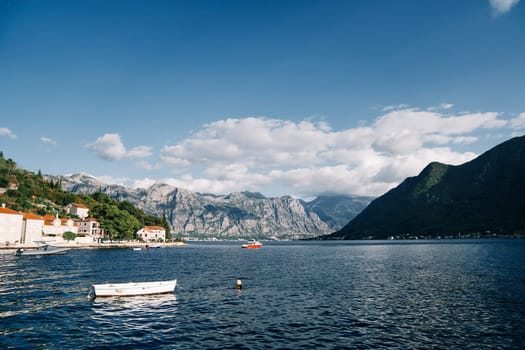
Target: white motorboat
{"points": [[45, 249], [134, 288]]}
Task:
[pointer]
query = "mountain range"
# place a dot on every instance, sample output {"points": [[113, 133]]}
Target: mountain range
{"points": [[239, 215], [485, 196]]}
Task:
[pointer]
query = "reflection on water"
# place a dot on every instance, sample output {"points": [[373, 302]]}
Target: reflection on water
{"points": [[137, 319], [151, 304]]}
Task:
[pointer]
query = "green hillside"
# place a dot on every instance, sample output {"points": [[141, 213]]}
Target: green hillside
{"points": [[485, 196], [29, 192]]}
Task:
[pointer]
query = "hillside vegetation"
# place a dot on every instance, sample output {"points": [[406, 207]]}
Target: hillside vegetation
{"points": [[484, 197], [33, 193]]}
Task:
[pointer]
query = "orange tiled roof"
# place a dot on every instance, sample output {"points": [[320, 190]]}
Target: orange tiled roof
{"points": [[31, 216], [87, 219], [9, 211], [78, 205], [151, 228]]}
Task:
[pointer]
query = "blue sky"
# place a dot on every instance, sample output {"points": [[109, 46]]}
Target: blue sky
{"points": [[281, 97]]}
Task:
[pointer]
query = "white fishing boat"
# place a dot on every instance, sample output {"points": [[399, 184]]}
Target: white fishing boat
{"points": [[134, 288], [45, 249]]}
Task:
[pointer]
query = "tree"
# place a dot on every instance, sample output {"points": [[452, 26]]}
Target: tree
{"points": [[69, 236], [120, 223]]}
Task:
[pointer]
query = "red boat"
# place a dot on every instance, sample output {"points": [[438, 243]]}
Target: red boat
{"points": [[252, 245]]}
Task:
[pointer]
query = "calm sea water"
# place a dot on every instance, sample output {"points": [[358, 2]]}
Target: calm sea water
{"points": [[296, 295]]}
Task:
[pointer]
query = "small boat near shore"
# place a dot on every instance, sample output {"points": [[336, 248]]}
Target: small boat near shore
{"points": [[45, 249], [134, 288], [153, 246], [252, 245]]}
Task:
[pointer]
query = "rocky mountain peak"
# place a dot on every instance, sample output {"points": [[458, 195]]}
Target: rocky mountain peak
{"points": [[233, 216]]}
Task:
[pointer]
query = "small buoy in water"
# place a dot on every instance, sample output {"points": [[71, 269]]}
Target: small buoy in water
{"points": [[238, 284]]}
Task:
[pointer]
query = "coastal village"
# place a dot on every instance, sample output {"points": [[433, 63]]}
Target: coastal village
{"points": [[19, 228]]}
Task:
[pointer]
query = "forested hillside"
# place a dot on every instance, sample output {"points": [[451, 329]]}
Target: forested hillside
{"points": [[485, 196], [26, 191]]}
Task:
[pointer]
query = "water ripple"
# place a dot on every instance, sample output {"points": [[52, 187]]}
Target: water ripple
{"points": [[300, 295]]}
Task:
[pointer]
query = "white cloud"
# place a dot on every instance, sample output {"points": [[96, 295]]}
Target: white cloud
{"points": [[402, 131], [206, 185], [254, 142], [47, 140], [258, 153], [394, 107], [147, 166], [7, 133], [110, 147], [122, 181], [139, 152], [502, 6], [442, 106], [144, 183], [518, 122]]}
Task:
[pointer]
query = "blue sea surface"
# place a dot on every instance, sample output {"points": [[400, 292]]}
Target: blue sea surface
{"points": [[455, 294]]}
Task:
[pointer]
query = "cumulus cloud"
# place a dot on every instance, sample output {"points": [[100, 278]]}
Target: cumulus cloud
{"points": [[110, 147], [402, 131], [7, 133], [47, 141], [254, 142], [255, 153], [502, 6]]}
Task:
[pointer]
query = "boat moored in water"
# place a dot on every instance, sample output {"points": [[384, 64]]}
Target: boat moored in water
{"points": [[134, 288], [45, 249], [252, 245]]}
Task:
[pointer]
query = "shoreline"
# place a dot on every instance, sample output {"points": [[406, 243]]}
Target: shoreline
{"points": [[14, 247]]}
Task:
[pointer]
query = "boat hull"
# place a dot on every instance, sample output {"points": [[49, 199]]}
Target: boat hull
{"points": [[252, 246], [134, 288], [46, 251]]}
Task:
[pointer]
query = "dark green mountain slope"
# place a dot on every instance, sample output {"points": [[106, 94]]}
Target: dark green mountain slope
{"points": [[485, 195]]}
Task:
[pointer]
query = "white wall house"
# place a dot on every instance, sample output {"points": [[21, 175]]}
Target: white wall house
{"points": [[89, 230], [52, 227], [55, 227], [32, 228], [27, 228], [69, 225], [77, 209], [11, 223], [152, 233]]}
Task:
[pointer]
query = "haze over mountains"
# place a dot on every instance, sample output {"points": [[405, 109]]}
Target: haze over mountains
{"points": [[233, 216], [485, 196]]}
